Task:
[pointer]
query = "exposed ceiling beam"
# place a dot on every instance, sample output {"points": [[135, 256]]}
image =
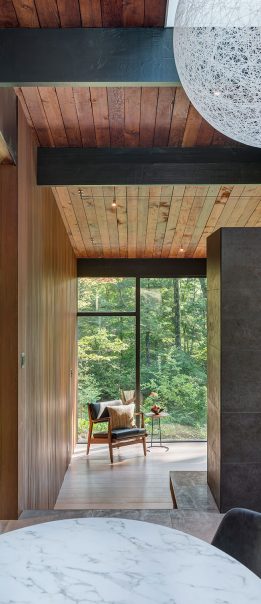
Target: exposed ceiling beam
{"points": [[144, 267], [83, 166], [87, 57]]}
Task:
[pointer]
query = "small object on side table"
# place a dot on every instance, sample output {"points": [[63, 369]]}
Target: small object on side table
{"points": [[157, 409]]}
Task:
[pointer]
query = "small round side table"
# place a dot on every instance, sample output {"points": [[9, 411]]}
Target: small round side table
{"points": [[153, 417]]}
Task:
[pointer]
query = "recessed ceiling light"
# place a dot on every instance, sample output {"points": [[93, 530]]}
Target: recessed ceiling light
{"points": [[114, 202]]}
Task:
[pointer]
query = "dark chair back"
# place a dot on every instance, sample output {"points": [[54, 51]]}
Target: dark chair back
{"points": [[239, 535], [100, 411]]}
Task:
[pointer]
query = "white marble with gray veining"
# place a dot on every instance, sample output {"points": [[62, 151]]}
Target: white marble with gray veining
{"points": [[117, 561]]}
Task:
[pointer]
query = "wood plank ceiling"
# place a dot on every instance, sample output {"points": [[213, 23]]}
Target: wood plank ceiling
{"points": [[159, 222], [167, 221], [117, 117], [82, 13]]}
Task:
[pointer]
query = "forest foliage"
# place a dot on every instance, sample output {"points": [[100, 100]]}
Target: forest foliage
{"points": [[173, 348]]}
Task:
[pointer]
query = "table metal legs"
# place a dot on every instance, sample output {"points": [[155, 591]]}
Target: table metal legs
{"points": [[151, 435]]}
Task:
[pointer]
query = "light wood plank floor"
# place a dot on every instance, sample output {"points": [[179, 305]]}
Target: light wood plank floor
{"points": [[132, 482]]}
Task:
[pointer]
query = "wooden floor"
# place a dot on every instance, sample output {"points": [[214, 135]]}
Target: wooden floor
{"points": [[132, 482]]}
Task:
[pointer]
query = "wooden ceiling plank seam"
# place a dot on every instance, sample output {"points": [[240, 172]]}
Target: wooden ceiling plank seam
{"points": [[77, 207], [228, 209], [175, 206], [36, 111], [78, 204], [65, 221], [112, 15], [210, 227], [69, 114], [252, 204], [69, 13], [166, 100], [99, 101], [53, 115], [133, 13], [163, 215], [205, 134], [116, 115], [202, 190], [187, 202], [193, 216], [255, 217], [153, 209], [220, 140], [108, 194], [155, 13], [99, 207], [143, 208], [236, 190], [190, 191], [71, 219], [82, 99], [238, 210], [91, 13], [200, 224], [179, 118], [48, 13], [26, 13], [193, 124], [132, 216], [149, 102], [8, 16], [252, 190], [91, 220], [21, 99], [121, 210], [132, 112]]}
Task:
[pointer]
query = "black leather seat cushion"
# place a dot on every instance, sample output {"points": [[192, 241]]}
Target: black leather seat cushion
{"points": [[122, 433]]}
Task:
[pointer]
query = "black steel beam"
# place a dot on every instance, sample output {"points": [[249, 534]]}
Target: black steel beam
{"points": [[87, 57], [145, 267], [81, 166]]}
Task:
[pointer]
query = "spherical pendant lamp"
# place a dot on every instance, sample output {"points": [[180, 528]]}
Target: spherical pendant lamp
{"points": [[217, 48]]}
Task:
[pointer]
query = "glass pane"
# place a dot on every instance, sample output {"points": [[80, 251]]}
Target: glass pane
{"points": [[106, 294], [106, 362], [174, 354]]}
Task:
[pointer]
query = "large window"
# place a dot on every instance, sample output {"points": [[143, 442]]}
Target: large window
{"points": [[148, 334], [173, 353]]}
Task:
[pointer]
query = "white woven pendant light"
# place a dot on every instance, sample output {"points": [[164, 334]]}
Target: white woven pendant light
{"points": [[217, 47]]}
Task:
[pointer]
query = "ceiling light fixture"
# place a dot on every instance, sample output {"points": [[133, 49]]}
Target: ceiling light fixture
{"points": [[217, 52], [114, 202]]}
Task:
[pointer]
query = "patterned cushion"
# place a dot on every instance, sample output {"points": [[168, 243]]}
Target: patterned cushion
{"points": [[122, 416], [100, 411]]}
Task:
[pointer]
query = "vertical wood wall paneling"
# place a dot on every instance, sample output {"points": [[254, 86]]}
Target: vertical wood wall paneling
{"points": [[47, 321], [8, 344]]}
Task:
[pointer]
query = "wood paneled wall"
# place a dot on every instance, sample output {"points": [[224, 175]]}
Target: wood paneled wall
{"points": [[8, 342], [47, 321]]}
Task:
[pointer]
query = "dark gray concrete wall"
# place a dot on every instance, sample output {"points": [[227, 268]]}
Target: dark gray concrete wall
{"points": [[234, 398], [214, 364]]}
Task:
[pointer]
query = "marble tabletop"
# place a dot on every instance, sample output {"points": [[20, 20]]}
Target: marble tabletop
{"points": [[114, 561]]}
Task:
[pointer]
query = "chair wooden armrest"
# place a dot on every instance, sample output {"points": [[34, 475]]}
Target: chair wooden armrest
{"points": [[101, 421]]}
